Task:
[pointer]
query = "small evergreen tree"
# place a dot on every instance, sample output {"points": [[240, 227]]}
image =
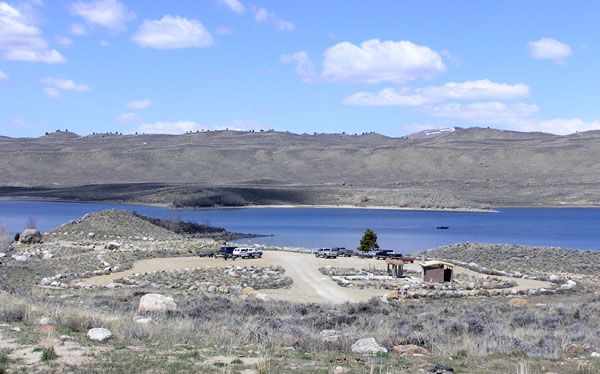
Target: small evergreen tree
{"points": [[368, 242]]}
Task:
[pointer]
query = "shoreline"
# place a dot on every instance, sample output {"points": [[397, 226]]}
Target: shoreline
{"points": [[286, 206], [494, 209]]}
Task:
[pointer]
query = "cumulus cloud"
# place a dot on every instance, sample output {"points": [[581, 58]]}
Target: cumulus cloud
{"points": [[470, 90], [112, 15], [239, 125], [172, 32], [549, 49], [489, 112], [139, 104], [559, 126], [161, 127], [234, 5], [54, 87], [261, 15], [3, 76], [304, 66], [374, 61], [21, 39], [129, 117]]}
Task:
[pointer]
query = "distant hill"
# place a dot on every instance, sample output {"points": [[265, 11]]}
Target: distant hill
{"points": [[457, 167]]}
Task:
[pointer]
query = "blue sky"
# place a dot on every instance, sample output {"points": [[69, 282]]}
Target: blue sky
{"points": [[394, 67]]}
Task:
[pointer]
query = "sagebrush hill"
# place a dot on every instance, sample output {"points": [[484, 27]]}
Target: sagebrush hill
{"points": [[464, 168]]}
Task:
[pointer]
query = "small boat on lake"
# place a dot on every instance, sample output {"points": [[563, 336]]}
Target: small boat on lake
{"points": [[443, 227]]}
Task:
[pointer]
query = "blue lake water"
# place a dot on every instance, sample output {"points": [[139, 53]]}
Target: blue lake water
{"points": [[315, 227]]}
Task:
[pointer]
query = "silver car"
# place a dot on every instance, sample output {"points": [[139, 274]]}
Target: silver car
{"points": [[326, 253]]}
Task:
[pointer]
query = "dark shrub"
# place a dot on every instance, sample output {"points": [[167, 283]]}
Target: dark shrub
{"points": [[522, 319]]}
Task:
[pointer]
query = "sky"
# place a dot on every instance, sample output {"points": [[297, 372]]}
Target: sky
{"points": [[392, 67]]}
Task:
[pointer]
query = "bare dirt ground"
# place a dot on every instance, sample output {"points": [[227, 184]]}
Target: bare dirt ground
{"points": [[310, 285]]}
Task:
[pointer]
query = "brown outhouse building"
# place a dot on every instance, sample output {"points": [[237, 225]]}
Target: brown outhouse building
{"points": [[436, 272]]}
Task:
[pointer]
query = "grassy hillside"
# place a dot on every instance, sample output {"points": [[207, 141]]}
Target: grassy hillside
{"points": [[468, 167]]}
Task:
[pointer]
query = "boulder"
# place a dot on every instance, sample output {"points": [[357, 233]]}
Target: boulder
{"points": [[143, 321], [156, 303], [341, 370], [368, 346], [21, 258], [409, 350], [248, 292], [569, 285], [30, 236], [112, 246], [99, 334]]}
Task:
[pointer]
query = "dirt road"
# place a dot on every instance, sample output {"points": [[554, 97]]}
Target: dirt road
{"points": [[309, 284]]}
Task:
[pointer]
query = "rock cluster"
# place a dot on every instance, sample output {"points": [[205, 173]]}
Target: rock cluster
{"points": [[238, 280]]}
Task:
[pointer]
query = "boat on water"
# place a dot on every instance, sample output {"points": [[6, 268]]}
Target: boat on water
{"points": [[443, 227]]}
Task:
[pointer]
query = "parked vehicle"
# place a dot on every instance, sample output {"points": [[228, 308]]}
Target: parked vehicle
{"points": [[343, 252], [326, 253], [362, 254], [226, 253], [255, 253], [241, 252], [387, 253], [244, 252]]}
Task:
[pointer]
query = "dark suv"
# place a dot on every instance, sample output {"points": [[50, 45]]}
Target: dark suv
{"points": [[387, 253], [226, 252]]}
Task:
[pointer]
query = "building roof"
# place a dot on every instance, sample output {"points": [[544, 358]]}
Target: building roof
{"points": [[431, 264]]}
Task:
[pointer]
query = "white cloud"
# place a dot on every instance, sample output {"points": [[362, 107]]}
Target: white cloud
{"points": [[129, 117], [64, 41], [3, 76], [239, 125], [161, 127], [559, 126], [139, 104], [375, 61], [172, 32], [471, 90], [78, 29], [304, 66], [104, 43], [54, 87], [549, 49], [261, 15], [234, 5], [21, 39], [491, 112], [113, 15]]}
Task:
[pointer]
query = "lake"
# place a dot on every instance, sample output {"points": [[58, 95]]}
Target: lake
{"points": [[400, 230]]}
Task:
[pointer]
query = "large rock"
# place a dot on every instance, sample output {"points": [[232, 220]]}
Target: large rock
{"points": [[112, 246], [99, 334], [156, 303], [248, 292], [368, 346], [30, 236], [409, 350]]}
